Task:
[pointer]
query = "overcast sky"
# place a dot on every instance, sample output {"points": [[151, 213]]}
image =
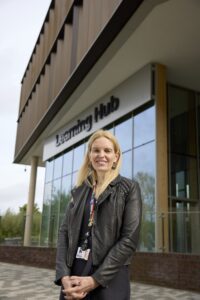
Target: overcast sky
{"points": [[20, 24]]}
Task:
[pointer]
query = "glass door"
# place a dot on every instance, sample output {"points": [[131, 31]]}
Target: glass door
{"points": [[183, 150]]}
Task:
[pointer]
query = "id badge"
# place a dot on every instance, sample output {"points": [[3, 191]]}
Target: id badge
{"points": [[83, 254]]}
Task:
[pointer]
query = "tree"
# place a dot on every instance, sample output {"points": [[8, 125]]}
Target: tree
{"points": [[147, 185], [12, 224]]}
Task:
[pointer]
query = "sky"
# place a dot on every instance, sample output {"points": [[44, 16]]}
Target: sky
{"points": [[20, 24]]}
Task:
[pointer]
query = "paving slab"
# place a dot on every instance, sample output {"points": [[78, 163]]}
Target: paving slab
{"points": [[28, 283]]}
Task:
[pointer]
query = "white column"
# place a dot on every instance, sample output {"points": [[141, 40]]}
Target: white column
{"points": [[30, 204]]}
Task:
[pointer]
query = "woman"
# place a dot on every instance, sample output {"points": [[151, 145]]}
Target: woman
{"points": [[101, 227]]}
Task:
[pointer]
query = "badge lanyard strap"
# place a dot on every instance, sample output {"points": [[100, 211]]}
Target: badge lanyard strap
{"points": [[91, 220], [92, 206]]}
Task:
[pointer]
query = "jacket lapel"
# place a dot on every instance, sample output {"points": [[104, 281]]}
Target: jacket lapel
{"points": [[108, 190], [79, 196]]}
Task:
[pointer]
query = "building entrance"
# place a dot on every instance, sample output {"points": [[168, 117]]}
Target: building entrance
{"points": [[184, 172]]}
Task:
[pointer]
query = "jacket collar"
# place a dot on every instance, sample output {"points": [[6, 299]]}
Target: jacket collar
{"points": [[108, 190], [116, 180], [82, 190]]}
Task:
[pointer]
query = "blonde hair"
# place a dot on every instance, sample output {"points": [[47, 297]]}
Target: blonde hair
{"points": [[86, 171]]}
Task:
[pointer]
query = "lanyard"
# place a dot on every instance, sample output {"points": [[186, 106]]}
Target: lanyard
{"points": [[92, 205], [85, 243]]}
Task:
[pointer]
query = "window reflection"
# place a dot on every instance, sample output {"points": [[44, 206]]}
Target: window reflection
{"points": [[144, 159], [144, 127], [78, 157], [67, 162], [123, 133], [55, 205], [144, 173], [49, 171], [65, 195], [44, 239], [74, 178], [126, 169], [57, 167]]}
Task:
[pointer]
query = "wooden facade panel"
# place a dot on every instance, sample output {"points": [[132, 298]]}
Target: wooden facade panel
{"points": [[64, 6], [25, 120], [58, 16], [75, 25], [31, 118], [40, 100], [46, 87], [107, 10], [28, 112], [22, 98], [37, 62], [51, 83], [36, 106], [40, 61], [42, 45], [46, 39], [94, 20], [66, 51], [80, 34], [33, 100], [33, 68], [41, 97], [88, 21], [58, 67]]}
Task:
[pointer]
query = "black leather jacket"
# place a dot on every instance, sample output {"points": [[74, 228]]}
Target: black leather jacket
{"points": [[115, 231]]}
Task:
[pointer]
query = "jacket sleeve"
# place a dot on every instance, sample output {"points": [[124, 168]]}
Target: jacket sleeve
{"points": [[127, 243], [61, 255]]}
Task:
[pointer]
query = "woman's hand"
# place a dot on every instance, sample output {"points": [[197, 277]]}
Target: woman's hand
{"points": [[66, 283], [79, 287]]}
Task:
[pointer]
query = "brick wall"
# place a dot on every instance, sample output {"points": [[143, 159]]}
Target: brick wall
{"points": [[29, 256], [181, 271], [174, 270]]}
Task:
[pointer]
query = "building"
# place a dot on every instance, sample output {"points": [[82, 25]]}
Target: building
{"points": [[132, 67]]}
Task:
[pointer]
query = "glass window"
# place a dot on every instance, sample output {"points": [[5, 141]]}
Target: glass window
{"points": [[126, 168], [110, 128], [55, 205], [182, 121], [58, 167], [144, 173], [141, 164], [67, 162], [123, 133], [44, 238], [144, 127], [74, 178], [78, 157], [49, 171], [65, 195]]}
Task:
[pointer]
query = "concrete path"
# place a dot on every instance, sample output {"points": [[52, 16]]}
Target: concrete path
{"points": [[28, 283]]}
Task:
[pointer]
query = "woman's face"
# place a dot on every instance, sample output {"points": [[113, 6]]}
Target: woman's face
{"points": [[102, 155]]}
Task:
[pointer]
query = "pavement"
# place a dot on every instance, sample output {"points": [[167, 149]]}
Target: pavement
{"points": [[27, 283]]}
